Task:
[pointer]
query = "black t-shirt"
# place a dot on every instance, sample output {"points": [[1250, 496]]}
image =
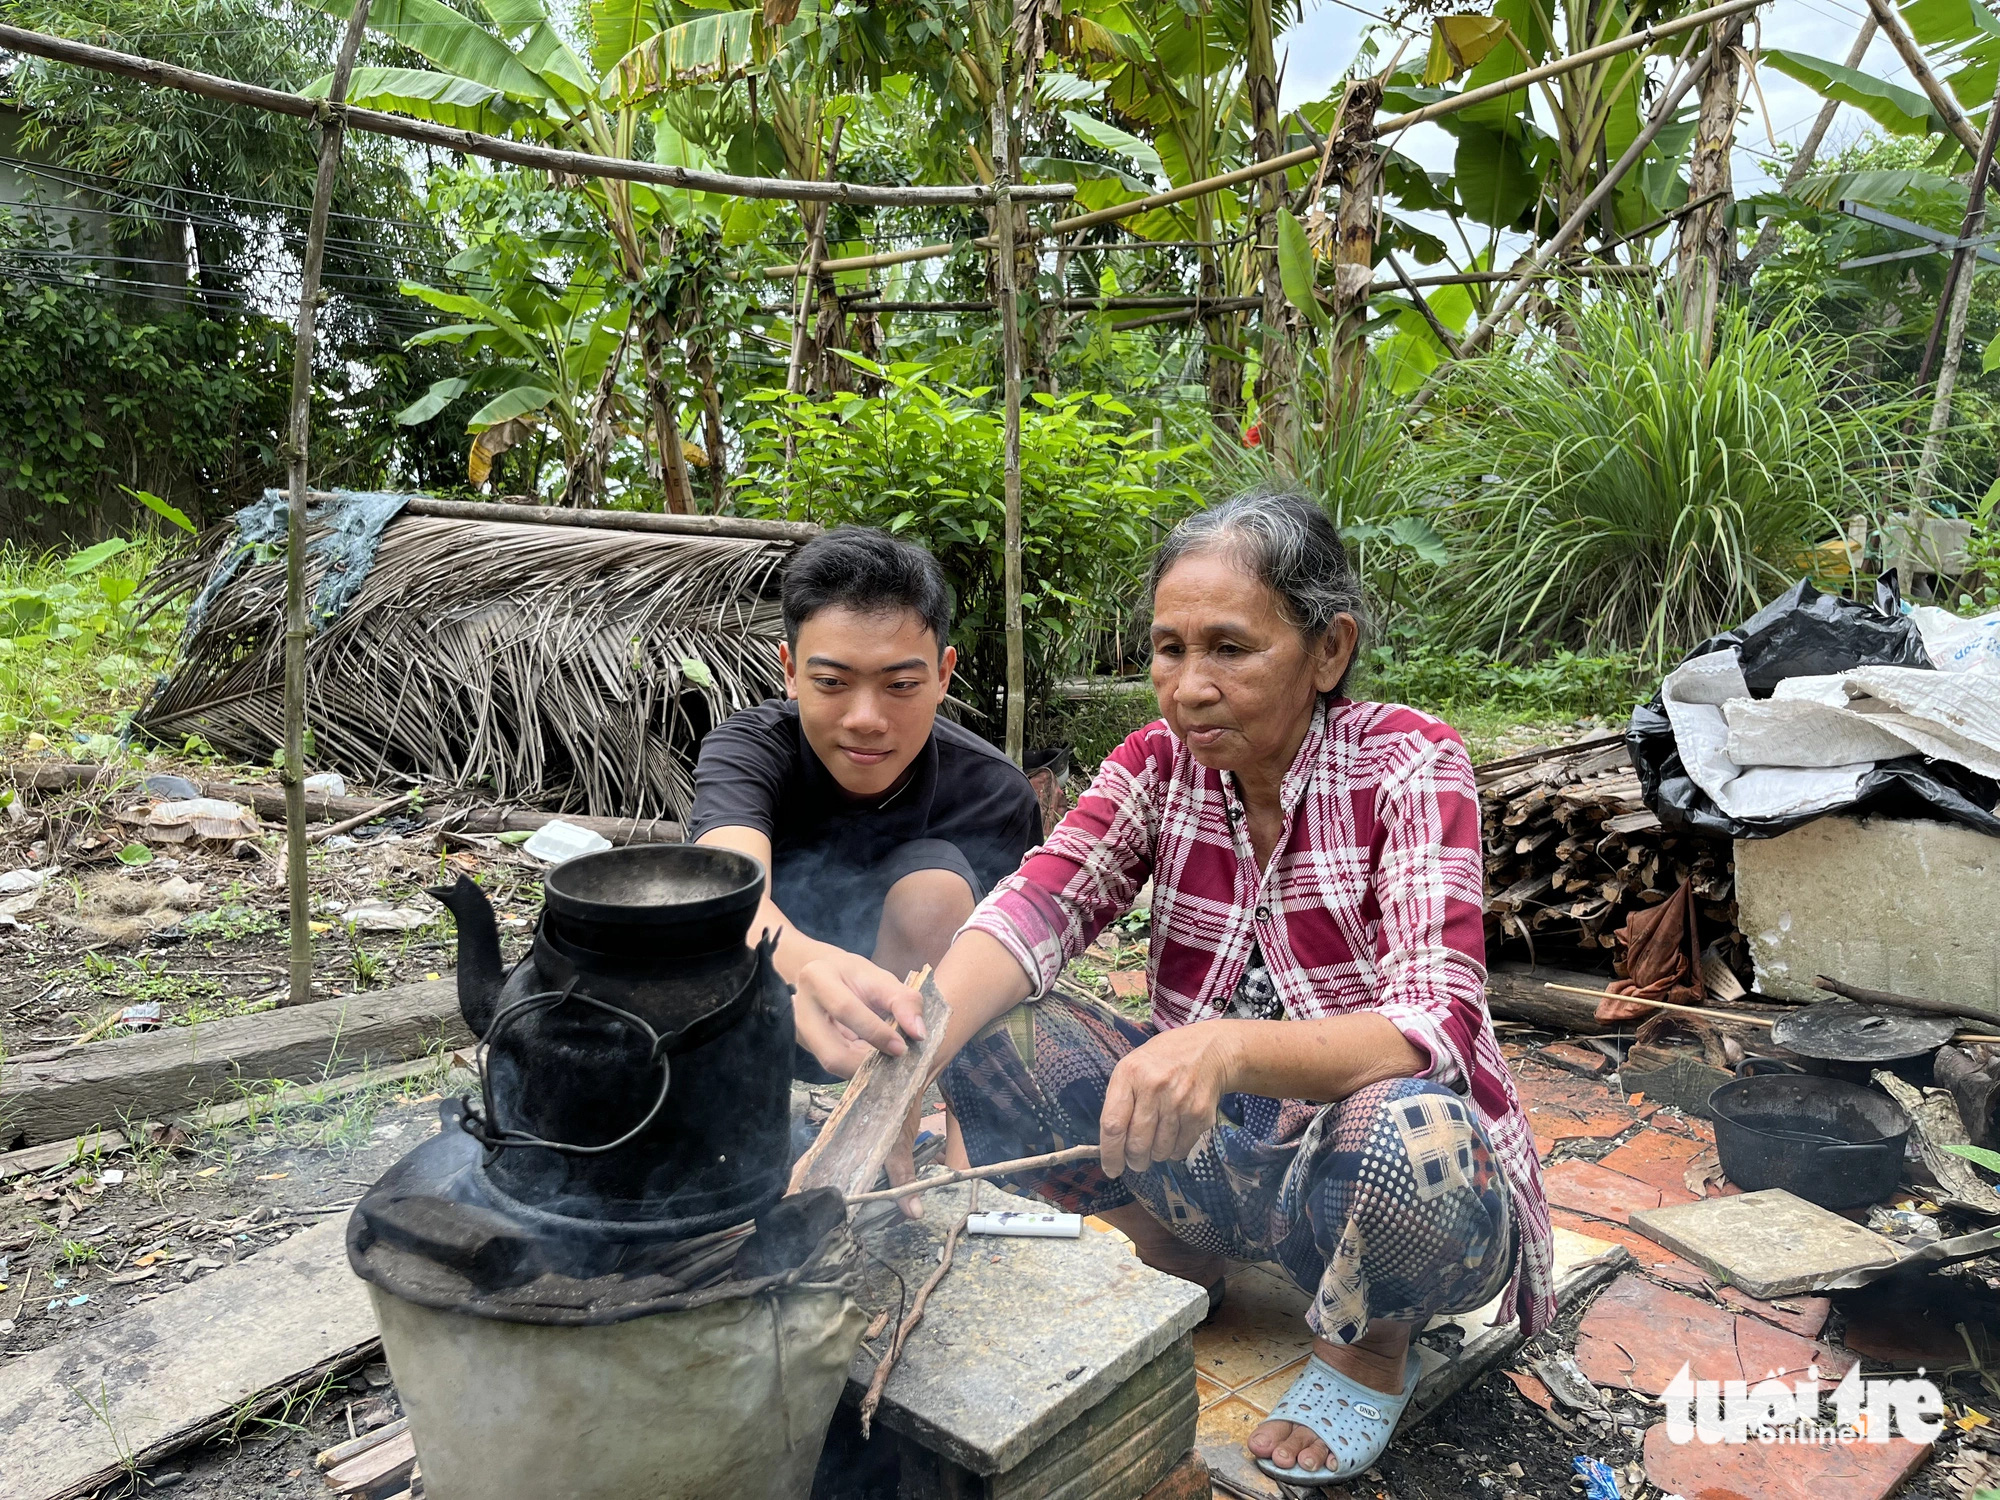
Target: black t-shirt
{"points": [[756, 770]]}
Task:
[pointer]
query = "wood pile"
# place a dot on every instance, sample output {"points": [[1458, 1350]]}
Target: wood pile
{"points": [[1572, 850]]}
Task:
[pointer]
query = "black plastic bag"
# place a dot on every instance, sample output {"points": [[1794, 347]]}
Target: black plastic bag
{"points": [[1807, 633]]}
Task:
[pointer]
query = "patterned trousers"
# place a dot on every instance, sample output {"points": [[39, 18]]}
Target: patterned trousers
{"points": [[1388, 1204]]}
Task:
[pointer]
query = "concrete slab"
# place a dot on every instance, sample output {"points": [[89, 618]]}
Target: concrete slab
{"points": [[1879, 902], [1768, 1244], [1638, 1335], [1021, 1338]]}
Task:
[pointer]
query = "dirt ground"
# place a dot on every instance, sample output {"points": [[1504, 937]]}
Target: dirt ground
{"points": [[199, 929]]}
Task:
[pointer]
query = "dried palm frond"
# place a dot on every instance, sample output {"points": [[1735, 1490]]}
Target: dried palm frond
{"points": [[572, 668]]}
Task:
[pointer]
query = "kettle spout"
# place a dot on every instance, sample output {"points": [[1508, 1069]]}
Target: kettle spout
{"points": [[479, 969]]}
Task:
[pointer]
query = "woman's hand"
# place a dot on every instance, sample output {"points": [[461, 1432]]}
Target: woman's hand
{"points": [[1163, 1095]]}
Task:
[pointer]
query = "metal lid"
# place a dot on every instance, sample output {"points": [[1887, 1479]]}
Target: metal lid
{"points": [[1842, 1031]]}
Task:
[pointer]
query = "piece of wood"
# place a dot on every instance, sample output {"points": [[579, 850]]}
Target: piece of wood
{"points": [[97, 1143], [171, 1071], [367, 815], [1496, 1346], [161, 1376], [741, 528], [376, 1467], [869, 1120], [1890, 998], [1517, 992], [1769, 1243], [873, 1397], [354, 1447], [495, 148], [1686, 1010], [514, 820], [979, 1174]]}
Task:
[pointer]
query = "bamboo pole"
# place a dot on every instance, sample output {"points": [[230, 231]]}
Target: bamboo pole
{"points": [[1913, 59], [803, 298], [1539, 266], [1305, 155], [495, 148], [1010, 357], [297, 626], [1964, 270]]}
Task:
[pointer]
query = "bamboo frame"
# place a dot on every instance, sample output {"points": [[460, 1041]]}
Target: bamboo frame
{"points": [[298, 626], [1912, 55], [1305, 154], [495, 148]]}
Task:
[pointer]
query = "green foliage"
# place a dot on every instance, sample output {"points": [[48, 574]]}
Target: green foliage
{"points": [[93, 389], [925, 462], [76, 646], [1093, 725], [1612, 493], [1562, 685]]}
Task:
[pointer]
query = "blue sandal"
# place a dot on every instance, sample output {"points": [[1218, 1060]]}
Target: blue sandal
{"points": [[1353, 1420]]}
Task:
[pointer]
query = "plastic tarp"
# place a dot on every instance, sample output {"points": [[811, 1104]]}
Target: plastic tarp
{"points": [[1818, 704], [350, 524]]}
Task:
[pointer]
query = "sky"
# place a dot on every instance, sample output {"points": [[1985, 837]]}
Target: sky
{"points": [[1316, 53]]}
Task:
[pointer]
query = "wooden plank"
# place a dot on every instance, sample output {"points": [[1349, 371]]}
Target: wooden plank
{"points": [[733, 528], [56, 1153], [168, 1072], [1515, 992], [377, 1467], [340, 1453], [168, 1373], [857, 1139]]}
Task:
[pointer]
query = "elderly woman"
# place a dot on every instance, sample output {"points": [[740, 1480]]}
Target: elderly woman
{"points": [[1319, 1084]]}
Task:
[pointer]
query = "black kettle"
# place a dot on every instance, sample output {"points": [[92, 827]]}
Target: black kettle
{"points": [[637, 1060]]}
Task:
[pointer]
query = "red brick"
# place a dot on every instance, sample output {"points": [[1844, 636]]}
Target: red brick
{"points": [[1805, 1316], [1638, 1335], [1128, 984], [1588, 1059], [1588, 1188], [1530, 1387], [1656, 1258], [1779, 1471], [1655, 1156]]}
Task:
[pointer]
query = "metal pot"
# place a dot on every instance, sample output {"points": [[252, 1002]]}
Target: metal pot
{"points": [[1830, 1142]]}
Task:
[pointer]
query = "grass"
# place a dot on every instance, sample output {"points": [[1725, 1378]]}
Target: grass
{"points": [[1613, 493], [75, 654]]}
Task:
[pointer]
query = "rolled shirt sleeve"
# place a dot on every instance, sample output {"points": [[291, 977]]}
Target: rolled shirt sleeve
{"points": [[1087, 874]]}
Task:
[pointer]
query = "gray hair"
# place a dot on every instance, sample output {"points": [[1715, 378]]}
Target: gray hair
{"points": [[1290, 546]]}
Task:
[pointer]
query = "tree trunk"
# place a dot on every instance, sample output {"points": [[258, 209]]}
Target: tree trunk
{"points": [[586, 478], [1276, 371], [1010, 366], [1225, 369], [1360, 166], [701, 362], [655, 340], [1707, 245], [298, 624]]}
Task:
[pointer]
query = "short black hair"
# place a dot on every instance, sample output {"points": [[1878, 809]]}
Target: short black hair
{"points": [[870, 572]]}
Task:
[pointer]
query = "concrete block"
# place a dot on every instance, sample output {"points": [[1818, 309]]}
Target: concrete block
{"points": [[1878, 902]]}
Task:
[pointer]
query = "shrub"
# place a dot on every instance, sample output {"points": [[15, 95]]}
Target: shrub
{"points": [[1609, 492], [925, 462]]}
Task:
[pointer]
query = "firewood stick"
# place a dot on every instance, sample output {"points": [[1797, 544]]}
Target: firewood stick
{"points": [[975, 1174], [345, 825], [874, 1397], [1723, 1015]]}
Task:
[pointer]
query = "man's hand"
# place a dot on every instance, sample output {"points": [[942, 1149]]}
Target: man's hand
{"points": [[843, 1008], [1162, 1097]]}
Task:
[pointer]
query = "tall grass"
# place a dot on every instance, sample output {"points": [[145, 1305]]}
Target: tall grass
{"points": [[1609, 493]]}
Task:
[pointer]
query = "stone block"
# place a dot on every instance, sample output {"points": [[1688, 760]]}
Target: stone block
{"points": [[1879, 902], [1769, 1243]]}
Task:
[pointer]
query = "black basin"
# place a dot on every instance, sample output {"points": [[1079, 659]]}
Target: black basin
{"points": [[1828, 1141], [667, 899]]}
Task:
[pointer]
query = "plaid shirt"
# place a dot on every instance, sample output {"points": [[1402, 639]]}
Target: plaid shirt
{"points": [[1372, 901]]}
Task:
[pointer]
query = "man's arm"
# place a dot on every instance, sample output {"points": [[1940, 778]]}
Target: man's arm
{"points": [[839, 1023]]}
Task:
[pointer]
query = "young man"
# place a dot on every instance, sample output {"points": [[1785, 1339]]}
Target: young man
{"points": [[881, 824]]}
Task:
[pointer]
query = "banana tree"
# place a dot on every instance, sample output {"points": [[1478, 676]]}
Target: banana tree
{"points": [[506, 69], [538, 350]]}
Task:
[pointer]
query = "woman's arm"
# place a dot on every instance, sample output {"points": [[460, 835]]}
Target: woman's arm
{"points": [[1163, 1095]]}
